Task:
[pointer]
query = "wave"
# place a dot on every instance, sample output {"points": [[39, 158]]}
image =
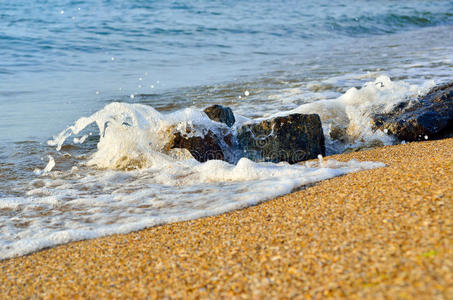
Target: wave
{"points": [[127, 180], [124, 178], [387, 22]]}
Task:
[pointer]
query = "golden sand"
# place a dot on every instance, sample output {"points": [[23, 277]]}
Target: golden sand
{"points": [[374, 234]]}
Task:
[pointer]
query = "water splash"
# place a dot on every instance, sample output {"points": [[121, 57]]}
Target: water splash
{"points": [[130, 181]]}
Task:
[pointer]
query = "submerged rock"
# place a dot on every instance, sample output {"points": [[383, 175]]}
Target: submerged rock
{"points": [[220, 114], [292, 138], [429, 116]]}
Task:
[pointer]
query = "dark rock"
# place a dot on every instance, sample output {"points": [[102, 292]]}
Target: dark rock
{"points": [[430, 115], [292, 138], [369, 146], [339, 134], [202, 148], [220, 114]]}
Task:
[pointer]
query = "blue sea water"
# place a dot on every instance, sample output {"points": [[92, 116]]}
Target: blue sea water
{"points": [[61, 60]]}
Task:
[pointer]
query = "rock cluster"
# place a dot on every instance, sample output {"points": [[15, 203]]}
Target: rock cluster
{"points": [[292, 138], [298, 137], [429, 116]]}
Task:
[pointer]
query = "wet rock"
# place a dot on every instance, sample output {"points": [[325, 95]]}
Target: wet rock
{"points": [[202, 148], [292, 138], [429, 116], [369, 146], [220, 114], [339, 134]]}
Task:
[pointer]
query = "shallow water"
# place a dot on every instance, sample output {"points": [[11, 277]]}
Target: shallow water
{"points": [[61, 61]]}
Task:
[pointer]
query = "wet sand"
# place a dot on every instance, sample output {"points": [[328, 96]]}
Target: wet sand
{"points": [[380, 233]]}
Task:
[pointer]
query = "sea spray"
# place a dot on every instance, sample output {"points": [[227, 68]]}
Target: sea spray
{"points": [[127, 180], [349, 114], [130, 182], [50, 165]]}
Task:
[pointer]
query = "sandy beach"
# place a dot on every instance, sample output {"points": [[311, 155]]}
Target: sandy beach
{"points": [[383, 233]]}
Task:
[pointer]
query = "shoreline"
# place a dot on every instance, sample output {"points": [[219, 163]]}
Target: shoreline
{"points": [[379, 233]]}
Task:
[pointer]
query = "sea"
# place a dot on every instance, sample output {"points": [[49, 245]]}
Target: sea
{"points": [[90, 92]]}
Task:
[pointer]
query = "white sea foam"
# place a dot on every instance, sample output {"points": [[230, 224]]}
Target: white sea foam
{"points": [[91, 203], [351, 111], [131, 181]]}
